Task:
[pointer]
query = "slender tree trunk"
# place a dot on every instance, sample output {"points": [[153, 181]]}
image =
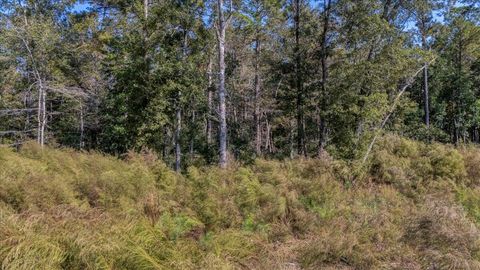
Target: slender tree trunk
{"points": [[210, 104], [323, 96], [39, 117], [299, 84], [221, 87], [292, 140], [44, 116], [165, 143], [145, 8], [426, 97], [42, 93], [425, 80], [258, 131], [456, 123], [146, 55], [82, 142], [178, 125], [178, 113], [27, 104], [192, 138], [456, 137], [41, 114], [268, 149]]}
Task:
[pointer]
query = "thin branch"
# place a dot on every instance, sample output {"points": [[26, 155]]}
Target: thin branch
{"points": [[7, 112], [6, 132], [392, 109]]}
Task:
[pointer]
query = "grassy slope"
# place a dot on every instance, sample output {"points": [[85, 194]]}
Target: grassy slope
{"points": [[417, 206]]}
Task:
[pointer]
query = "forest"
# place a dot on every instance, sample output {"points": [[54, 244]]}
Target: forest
{"points": [[204, 82], [240, 134]]}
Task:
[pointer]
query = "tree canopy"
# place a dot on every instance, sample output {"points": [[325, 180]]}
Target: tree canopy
{"points": [[288, 78]]}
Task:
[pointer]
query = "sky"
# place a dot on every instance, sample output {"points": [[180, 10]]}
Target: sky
{"points": [[79, 7]]}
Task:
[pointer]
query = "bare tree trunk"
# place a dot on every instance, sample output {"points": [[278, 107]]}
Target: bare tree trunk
{"points": [[221, 86], [299, 84], [41, 114], [145, 8], [258, 131], [42, 94]]}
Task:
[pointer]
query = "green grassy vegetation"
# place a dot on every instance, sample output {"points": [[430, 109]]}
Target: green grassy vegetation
{"points": [[415, 206]]}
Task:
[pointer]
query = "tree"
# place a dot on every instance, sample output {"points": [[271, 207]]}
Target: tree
{"points": [[221, 26], [36, 37], [424, 21]]}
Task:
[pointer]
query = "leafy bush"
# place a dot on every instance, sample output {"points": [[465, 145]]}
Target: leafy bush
{"points": [[412, 166]]}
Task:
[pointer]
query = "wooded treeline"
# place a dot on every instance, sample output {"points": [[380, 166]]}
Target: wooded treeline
{"points": [[207, 81]]}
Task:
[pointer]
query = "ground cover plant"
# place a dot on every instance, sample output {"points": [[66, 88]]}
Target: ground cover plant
{"points": [[413, 206]]}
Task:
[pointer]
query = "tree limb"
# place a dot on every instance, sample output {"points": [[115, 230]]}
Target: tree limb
{"points": [[392, 109]]}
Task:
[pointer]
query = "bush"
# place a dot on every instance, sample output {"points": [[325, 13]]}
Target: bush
{"points": [[413, 166], [471, 157]]}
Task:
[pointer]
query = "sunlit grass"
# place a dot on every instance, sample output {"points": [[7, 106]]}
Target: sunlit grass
{"points": [[415, 206]]}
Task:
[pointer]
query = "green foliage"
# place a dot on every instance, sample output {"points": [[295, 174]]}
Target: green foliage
{"points": [[470, 200], [409, 165]]}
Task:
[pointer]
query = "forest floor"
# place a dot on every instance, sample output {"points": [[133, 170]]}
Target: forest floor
{"points": [[414, 206]]}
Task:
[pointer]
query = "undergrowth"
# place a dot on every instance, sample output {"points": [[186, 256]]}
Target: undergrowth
{"points": [[414, 206]]}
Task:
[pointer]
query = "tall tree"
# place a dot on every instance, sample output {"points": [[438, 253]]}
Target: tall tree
{"points": [[221, 26], [423, 11], [301, 147], [327, 6]]}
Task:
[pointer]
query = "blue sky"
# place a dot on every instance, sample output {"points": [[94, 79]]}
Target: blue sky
{"points": [[80, 6]]}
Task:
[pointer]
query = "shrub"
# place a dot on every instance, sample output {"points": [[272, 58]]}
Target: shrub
{"points": [[471, 157], [413, 166]]}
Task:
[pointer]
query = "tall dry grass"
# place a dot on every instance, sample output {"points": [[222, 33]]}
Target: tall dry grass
{"points": [[415, 206]]}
